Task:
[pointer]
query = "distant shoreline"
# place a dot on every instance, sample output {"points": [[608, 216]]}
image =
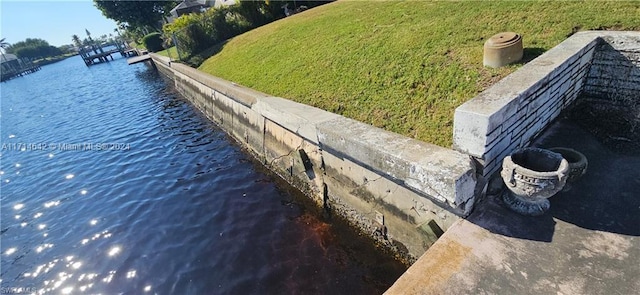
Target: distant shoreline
{"points": [[45, 62]]}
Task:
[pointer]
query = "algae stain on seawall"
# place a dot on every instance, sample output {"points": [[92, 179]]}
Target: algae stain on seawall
{"points": [[121, 220]]}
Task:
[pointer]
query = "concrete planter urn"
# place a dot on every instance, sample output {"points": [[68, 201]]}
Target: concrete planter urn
{"points": [[532, 175], [502, 49], [577, 164]]}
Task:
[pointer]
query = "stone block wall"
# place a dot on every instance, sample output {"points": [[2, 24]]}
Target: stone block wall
{"points": [[382, 182], [615, 70], [511, 113]]}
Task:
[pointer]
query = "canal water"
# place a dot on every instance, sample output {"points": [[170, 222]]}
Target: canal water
{"points": [[113, 184]]}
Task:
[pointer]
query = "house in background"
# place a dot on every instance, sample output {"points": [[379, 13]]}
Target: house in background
{"points": [[196, 6], [190, 6], [9, 62], [11, 66]]}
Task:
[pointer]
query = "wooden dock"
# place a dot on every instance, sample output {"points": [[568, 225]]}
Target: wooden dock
{"points": [[10, 74], [100, 57], [96, 53], [137, 59], [130, 52]]}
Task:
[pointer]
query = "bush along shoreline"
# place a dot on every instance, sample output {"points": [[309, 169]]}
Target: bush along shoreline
{"points": [[197, 36], [55, 59]]}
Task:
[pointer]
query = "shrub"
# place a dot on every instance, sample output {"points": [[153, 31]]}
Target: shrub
{"points": [[195, 61], [194, 33], [153, 42]]}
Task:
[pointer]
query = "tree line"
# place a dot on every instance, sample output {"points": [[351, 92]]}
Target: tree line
{"points": [[35, 48], [195, 33]]}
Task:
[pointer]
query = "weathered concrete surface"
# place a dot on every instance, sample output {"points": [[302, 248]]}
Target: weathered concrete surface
{"points": [[588, 243], [615, 71], [515, 110], [165, 65], [402, 191], [239, 93], [531, 176], [294, 116], [445, 175]]}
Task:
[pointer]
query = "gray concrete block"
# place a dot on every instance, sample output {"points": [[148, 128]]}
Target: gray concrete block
{"points": [[369, 192], [241, 94], [295, 117], [499, 147], [431, 170], [222, 109], [280, 143], [539, 101], [248, 127]]}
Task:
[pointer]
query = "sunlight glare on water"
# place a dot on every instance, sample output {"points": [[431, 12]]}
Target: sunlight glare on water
{"points": [[111, 183]]}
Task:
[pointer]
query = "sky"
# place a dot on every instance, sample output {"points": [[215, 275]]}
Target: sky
{"points": [[52, 20]]}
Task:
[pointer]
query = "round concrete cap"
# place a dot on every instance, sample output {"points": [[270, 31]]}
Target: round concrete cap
{"points": [[503, 38], [502, 49]]}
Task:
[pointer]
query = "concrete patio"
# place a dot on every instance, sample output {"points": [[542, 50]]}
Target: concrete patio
{"points": [[588, 242]]}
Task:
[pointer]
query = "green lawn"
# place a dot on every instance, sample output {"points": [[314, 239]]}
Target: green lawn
{"points": [[135, 44], [171, 52], [402, 66]]}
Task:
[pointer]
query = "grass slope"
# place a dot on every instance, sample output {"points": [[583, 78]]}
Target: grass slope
{"points": [[401, 66], [171, 52]]}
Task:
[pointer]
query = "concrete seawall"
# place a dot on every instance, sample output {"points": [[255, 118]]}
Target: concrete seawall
{"points": [[407, 192], [403, 191]]}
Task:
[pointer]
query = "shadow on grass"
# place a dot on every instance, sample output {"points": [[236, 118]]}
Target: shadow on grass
{"points": [[197, 59], [530, 54]]}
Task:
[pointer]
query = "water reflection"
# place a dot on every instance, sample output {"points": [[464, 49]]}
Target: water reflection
{"points": [[51, 204], [114, 251], [10, 251], [182, 211]]}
